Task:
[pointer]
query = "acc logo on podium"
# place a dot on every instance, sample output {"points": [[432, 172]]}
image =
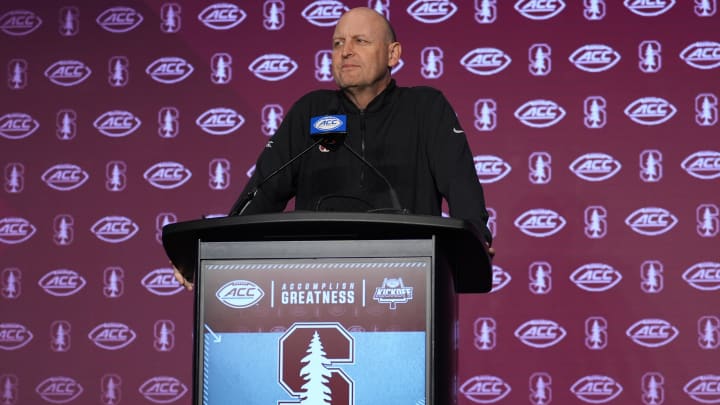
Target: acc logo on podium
{"points": [[240, 294]]}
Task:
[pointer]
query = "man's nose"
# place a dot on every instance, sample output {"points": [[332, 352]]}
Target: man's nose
{"points": [[347, 49]]}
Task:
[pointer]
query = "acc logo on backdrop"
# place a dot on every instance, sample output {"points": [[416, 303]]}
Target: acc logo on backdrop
{"points": [[113, 284], [169, 69], [222, 16], [170, 18], [703, 55], [490, 169], [704, 165], [112, 335], [706, 109], [649, 8], [540, 333], [651, 276], [539, 58], [652, 332], [708, 220], [19, 22], [540, 113], [14, 230], [485, 61], [14, 336], [540, 222], [220, 121], [595, 222], [596, 389], [117, 123], [540, 278], [703, 276], [167, 175], [66, 124], [65, 177], [651, 221], [219, 172], [485, 333], [273, 15], [273, 67], [240, 294], [485, 389], [485, 114], [651, 167], [594, 58], [14, 177], [653, 388], [650, 56], [596, 337], [650, 110], [595, 166], [17, 125], [539, 10], [119, 19], [703, 388], [62, 282], [500, 278], [114, 229], [163, 389], [431, 59], [595, 277], [59, 390], [115, 175], [17, 74], [595, 109], [161, 282], [432, 11], [324, 13]]}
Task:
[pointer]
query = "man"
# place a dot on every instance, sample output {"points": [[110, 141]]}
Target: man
{"points": [[411, 135]]}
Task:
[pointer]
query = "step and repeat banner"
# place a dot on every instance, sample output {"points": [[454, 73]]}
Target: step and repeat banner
{"points": [[594, 129]]}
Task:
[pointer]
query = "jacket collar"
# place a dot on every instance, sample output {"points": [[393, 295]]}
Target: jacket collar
{"points": [[376, 104]]}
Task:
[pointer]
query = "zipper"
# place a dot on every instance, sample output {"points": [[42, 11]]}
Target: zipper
{"points": [[362, 145]]}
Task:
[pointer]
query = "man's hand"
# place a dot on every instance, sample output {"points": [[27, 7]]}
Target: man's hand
{"points": [[491, 252], [179, 277]]}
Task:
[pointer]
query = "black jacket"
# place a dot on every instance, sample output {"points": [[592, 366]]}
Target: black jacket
{"points": [[411, 135]]}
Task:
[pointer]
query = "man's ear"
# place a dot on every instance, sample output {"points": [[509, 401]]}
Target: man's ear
{"points": [[394, 53]]}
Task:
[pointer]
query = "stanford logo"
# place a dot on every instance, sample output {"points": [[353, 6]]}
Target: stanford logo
{"points": [[273, 67], [17, 125], [596, 389], [163, 390], [117, 123], [324, 13], [652, 332], [114, 229], [161, 282], [59, 390], [119, 19], [485, 61], [167, 175], [169, 70], [703, 55], [490, 169], [650, 111], [222, 16], [62, 282], [15, 230], [240, 294], [540, 222], [500, 278], [67, 73], [540, 113], [653, 389], [65, 177], [704, 389], [485, 389], [594, 58], [112, 335], [649, 8], [703, 165], [19, 22], [595, 166], [540, 333], [485, 333], [220, 121], [540, 388], [539, 9], [595, 277], [704, 276], [14, 336], [432, 11], [651, 221]]}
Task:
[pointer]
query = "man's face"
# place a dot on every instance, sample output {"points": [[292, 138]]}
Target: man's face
{"points": [[360, 52]]}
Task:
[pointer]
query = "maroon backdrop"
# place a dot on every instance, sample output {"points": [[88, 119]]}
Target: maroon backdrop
{"points": [[594, 129]]}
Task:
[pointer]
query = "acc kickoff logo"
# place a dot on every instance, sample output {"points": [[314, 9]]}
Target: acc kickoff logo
{"points": [[17, 125], [432, 11], [539, 10], [703, 276], [540, 113], [117, 123], [651, 221], [703, 165], [490, 169], [540, 333], [324, 13], [595, 277], [650, 110], [169, 69], [59, 390], [652, 332], [596, 389], [485, 389], [393, 291], [62, 282], [703, 55], [595, 166], [65, 177], [14, 336], [540, 222], [114, 229], [704, 388], [485, 61], [19, 22], [163, 390], [240, 294], [220, 121], [222, 16], [15, 230], [649, 8], [112, 335], [167, 175], [161, 282], [273, 67], [594, 58], [67, 73]]}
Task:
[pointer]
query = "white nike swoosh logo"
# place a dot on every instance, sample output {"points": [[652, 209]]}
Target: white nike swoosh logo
{"points": [[458, 131]]}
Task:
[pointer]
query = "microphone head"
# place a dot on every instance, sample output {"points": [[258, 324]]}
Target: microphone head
{"points": [[330, 129]]}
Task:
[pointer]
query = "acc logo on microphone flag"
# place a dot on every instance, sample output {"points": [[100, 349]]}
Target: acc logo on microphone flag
{"points": [[169, 69], [432, 11], [703, 165], [19, 22], [596, 389], [65, 177], [62, 282], [539, 10], [652, 332], [59, 390], [240, 294], [540, 113], [540, 333], [112, 335], [651, 221], [161, 282], [703, 276], [220, 121], [167, 175], [117, 123], [324, 13], [485, 61], [703, 55], [704, 388], [595, 277], [328, 123], [67, 73], [222, 16], [114, 229], [14, 336], [163, 389], [540, 222], [649, 8], [15, 230], [273, 67], [119, 19], [485, 389], [595, 166], [594, 58], [17, 125], [650, 111]]}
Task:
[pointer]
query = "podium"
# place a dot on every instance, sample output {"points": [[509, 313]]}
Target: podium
{"points": [[338, 308]]}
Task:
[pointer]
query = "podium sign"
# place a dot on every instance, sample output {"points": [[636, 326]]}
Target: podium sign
{"points": [[339, 322]]}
